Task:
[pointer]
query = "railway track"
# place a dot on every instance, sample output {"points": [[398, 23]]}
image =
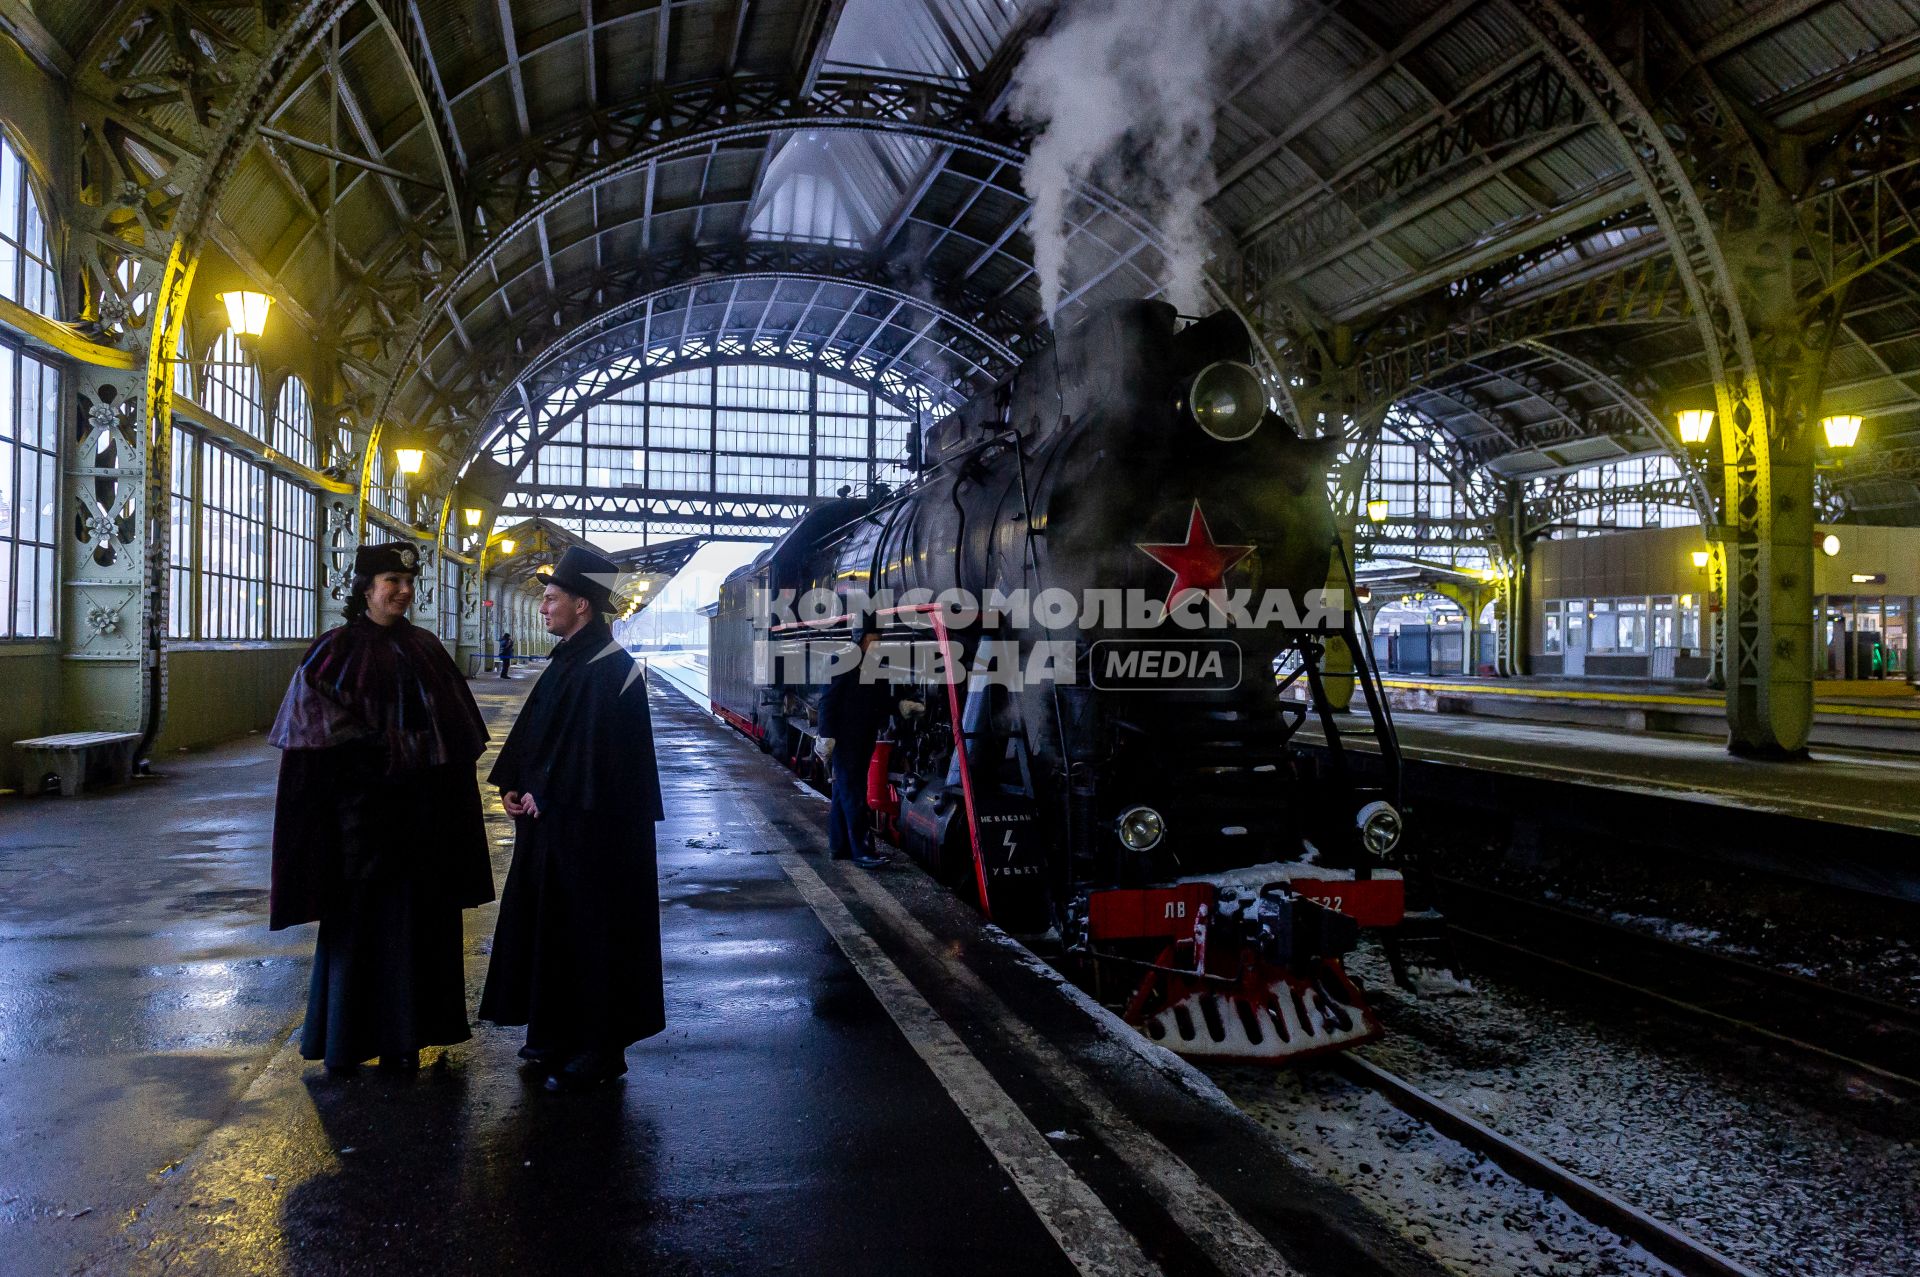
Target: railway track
{"points": [[1834, 1028], [1594, 1203]]}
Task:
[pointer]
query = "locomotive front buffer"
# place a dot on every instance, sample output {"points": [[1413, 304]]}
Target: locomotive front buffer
{"points": [[1248, 963]]}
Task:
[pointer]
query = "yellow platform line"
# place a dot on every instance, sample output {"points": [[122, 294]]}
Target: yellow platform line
{"points": [[1637, 698]]}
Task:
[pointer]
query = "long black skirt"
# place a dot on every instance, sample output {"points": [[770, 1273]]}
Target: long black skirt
{"points": [[388, 976], [576, 955]]}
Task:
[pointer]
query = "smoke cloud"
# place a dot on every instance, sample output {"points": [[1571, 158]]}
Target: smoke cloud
{"points": [[1122, 94]]}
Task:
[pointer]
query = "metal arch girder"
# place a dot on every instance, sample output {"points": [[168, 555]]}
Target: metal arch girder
{"points": [[704, 114], [1644, 291], [393, 20], [717, 264], [583, 353], [640, 505], [1552, 506], [542, 429], [1695, 479], [616, 317], [1769, 689], [584, 293], [1528, 105]]}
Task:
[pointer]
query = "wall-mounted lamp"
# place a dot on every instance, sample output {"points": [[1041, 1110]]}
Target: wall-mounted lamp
{"points": [[247, 312], [1841, 431], [472, 515], [1830, 545], [409, 460], [1695, 425], [1377, 510], [1702, 557]]}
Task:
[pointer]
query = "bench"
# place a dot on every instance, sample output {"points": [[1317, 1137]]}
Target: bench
{"points": [[80, 759]]}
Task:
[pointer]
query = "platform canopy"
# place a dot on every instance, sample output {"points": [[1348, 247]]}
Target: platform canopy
{"points": [[1515, 237]]}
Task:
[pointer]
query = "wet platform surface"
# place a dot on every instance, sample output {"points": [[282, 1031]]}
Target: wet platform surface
{"points": [[1846, 787], [1845, 818], [857, 1076]]}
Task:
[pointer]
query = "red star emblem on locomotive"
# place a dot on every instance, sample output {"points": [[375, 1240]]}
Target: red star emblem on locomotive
{"points": [[1199, 563]]}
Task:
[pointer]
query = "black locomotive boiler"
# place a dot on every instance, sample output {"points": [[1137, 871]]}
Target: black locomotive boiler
{"points": [[1117, 757]]}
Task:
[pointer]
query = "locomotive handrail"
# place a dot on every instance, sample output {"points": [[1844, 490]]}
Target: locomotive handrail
{"points": [[941, 636], [1376, 694]]}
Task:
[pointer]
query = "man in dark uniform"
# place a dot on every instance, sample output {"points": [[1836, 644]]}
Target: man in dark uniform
{"points": [[505, 653], [576, 954], [852, 713]]}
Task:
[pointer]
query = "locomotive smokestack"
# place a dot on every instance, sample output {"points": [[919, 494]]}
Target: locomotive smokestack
{"points": [[1123, 94]]}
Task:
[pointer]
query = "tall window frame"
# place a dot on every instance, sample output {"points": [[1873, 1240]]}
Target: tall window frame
{"points": [[230, 386], [30, 398], [293, 432], [27, 274]]}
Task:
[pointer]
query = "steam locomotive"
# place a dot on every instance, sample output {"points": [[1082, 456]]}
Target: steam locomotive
{"points": [[1114, 593]]}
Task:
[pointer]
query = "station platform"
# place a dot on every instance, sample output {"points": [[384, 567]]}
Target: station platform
{"points": [[1847, 818], [1881, 714], [857, 1076]]}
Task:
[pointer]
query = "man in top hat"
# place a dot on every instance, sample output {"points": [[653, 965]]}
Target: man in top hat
{"points": [[576, 954]]}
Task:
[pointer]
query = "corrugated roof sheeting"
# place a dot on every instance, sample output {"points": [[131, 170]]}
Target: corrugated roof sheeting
{"points": [[1825, 40], [933, 37], [1388, 103], [1471, 45], [1584, 161]]}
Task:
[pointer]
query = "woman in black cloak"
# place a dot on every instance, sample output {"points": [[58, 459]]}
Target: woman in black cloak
{"points": [[377, 833]]}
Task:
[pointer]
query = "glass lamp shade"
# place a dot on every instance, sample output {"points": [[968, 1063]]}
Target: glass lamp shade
{"points": [[1695, 424], [247, 312], [1841, 431]]}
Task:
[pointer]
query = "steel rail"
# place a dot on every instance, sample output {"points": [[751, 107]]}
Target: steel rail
{"points": [[1592, 1202], [1764, 986]]}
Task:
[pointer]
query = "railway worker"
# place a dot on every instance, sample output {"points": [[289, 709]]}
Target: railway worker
{"points": [[505, 652], [377, 833], [852, 713], [576, 955]]}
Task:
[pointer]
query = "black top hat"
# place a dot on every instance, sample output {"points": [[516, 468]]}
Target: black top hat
{"points": [[583, 572], [394, 556]]}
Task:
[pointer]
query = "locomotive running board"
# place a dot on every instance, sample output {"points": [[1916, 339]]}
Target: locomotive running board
{"points": [[1293, 1018]]}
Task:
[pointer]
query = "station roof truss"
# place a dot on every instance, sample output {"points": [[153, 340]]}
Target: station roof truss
{"points": [[1444, 205]]}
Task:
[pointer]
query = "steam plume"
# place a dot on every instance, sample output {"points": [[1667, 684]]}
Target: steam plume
{"points": [[1122, 94]]}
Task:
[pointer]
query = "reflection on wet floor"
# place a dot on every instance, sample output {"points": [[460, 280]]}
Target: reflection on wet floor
{"points": [[150, 1107]]}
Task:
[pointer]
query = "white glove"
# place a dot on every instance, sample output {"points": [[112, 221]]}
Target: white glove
{"points": [[912, 709], [823, 748]]}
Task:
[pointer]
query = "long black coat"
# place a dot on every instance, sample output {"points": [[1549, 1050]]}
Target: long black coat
{"points": [[576, 955], [379, 736]]}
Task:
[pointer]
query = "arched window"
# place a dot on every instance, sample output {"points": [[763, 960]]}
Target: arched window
{"points": [[231, 386], [30, 397], [26, 258], [736, 431], [293, 422]]}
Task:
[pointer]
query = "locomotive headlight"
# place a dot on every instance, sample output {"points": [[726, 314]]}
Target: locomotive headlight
{"points": [[1379, 827], [1140, 828], [1228, 401]]}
